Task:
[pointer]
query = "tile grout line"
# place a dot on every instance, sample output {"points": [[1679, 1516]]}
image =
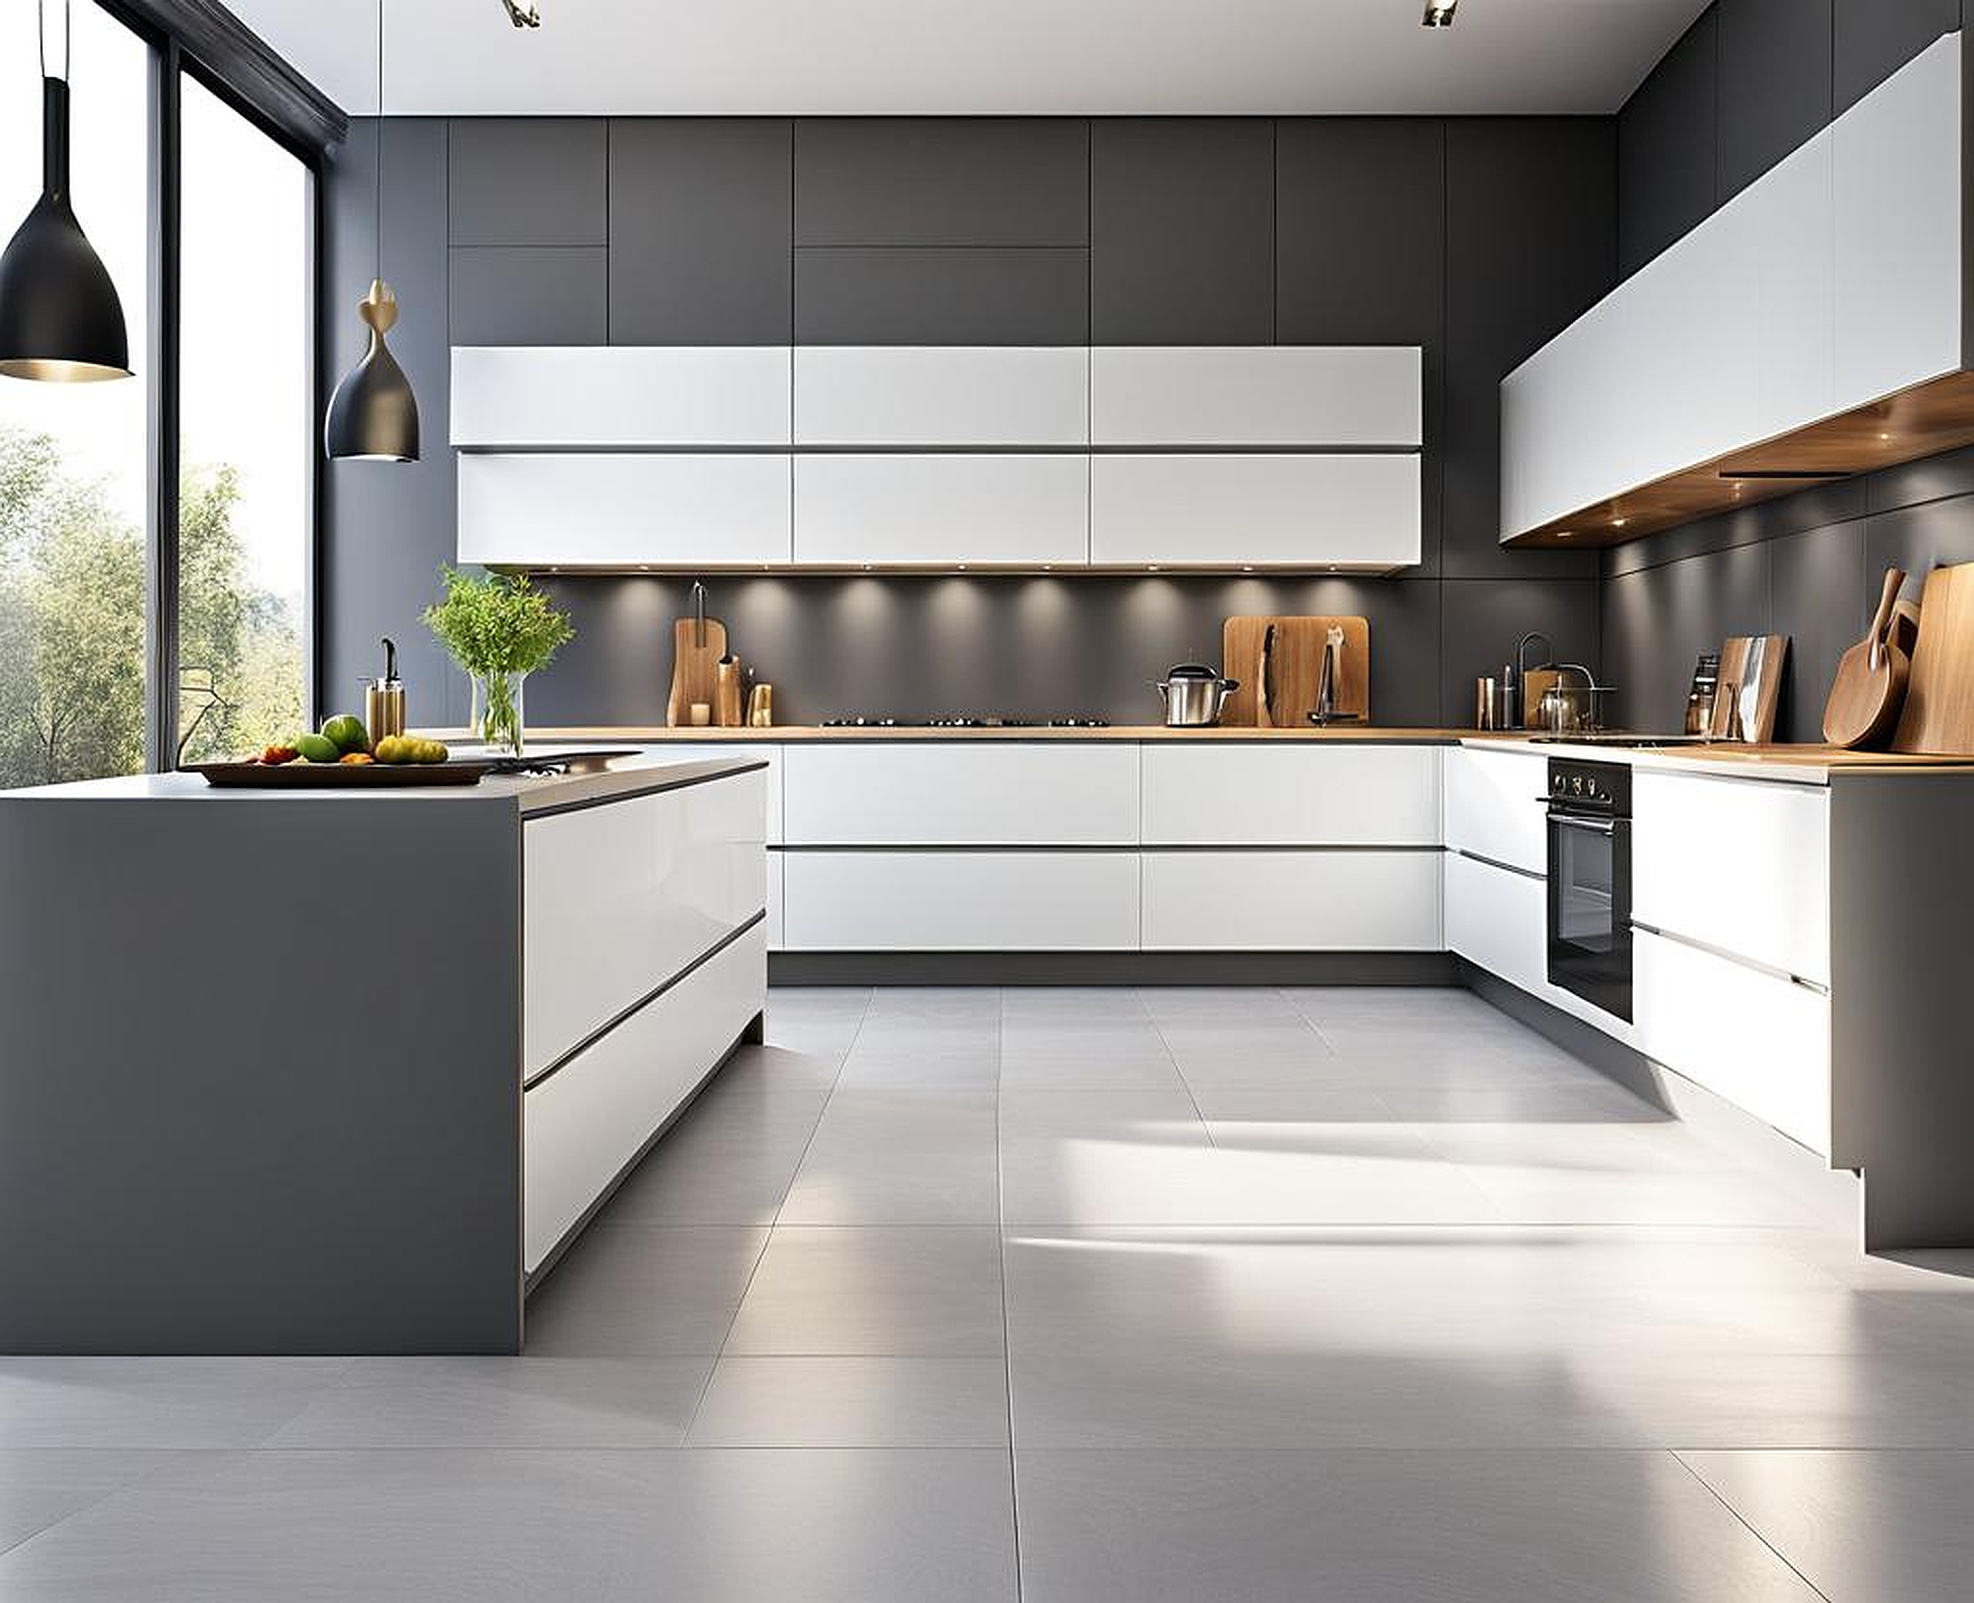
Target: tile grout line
{"points": [[1007, 1335], [1679, 1458], [774, 1224], [1173, 1058]]}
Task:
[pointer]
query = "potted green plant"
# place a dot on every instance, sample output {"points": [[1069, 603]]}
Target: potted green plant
{"points": [[500, 629]]}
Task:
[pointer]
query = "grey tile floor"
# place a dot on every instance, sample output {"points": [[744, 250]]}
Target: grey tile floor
{"points": [[1070, 1296]]}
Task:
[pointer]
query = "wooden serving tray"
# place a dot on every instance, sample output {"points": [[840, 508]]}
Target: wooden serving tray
{"points": [[340, 776]]}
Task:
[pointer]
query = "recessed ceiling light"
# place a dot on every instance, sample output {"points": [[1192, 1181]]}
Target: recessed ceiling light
{"points": [[1564, 534], [1884, 436], [1439, 13], [1617, 523]]}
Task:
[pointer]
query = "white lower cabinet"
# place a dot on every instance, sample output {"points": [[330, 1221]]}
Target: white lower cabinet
{"points": [[1262, 794], [1755, 1038], [1302, 901], [584, 1123], [1498, 921], [962, 793], [960, 901], [1496, 807]]}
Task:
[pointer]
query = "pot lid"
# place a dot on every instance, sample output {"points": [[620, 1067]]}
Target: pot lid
{"points": [[1191, 670]]}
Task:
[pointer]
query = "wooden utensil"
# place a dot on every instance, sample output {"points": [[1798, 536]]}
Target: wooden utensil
{"points": [[1295, 665], [1750, 688], [1938, 718], [1869, 689], [698, 644]]}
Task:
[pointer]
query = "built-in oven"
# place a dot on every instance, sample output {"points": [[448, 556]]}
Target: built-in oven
{"points": [[1590, 882]]}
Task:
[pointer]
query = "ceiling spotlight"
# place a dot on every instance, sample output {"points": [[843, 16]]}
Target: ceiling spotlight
{"points": [[1439, 13], [529, 15]]}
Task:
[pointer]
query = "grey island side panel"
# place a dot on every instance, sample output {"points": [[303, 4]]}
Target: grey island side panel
{"points": [[260, 1088]]}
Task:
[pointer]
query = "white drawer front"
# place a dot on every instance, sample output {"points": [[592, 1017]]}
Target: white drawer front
{"points": [[1316, 901], [890, 395], [1256, 395], [720, 751], [619, 395], [989, 793], [1743, 866], [775, 902], [613, 509], [586, 1121], [1498, 921], [1761, 1042], [620, 898], [960, 901], [909, 510], [1294, 511], [1495, 807], [1276, 794]]}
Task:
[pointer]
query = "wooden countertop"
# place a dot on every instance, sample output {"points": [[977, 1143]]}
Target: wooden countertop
{"points": [[1802, 765]]}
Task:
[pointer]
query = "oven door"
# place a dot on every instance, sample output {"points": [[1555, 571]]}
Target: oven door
{"points": [[1590, 909]]}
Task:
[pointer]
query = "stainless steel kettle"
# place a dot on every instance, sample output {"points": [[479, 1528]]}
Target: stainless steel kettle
{"points": [[1193, 696]]}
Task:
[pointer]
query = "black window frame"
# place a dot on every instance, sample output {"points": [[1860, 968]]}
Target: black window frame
{"points": [[203, 40]]}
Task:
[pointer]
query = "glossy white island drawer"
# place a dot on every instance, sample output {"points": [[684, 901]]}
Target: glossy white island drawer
{"points": [[1498, 920], [1290, 901], [620, 898], [585, 1122], [1224, 793], [960, 901], [956, 793]]}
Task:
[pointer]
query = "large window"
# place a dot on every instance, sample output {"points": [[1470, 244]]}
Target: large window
{"points": [[73, 488], [246, 454], [119, 645]]}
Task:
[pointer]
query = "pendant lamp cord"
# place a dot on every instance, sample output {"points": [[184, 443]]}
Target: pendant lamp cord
{"points": [[68, 32], [379, 235]]}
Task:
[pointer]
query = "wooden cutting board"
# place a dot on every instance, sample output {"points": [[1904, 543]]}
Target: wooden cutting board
{"points": [[1869, 686], [1297, 660], [697, 647], [1755, 689], [1939, 700]]}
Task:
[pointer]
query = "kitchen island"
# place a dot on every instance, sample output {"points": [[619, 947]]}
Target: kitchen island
{"points": [[345, 1072]]}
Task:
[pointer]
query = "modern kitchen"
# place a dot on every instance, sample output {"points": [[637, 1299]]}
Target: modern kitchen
{"points": [[1150, 801]]}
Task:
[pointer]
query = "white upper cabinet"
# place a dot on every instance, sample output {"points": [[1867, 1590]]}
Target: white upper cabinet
{"points": [[1832, 281], [624, 509], [938, 509], [1256, 395], [575, 396], [1224, 509], [904, 395], [1898, 246]]}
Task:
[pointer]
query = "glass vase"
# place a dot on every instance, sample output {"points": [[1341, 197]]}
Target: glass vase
{"points": [[497, 712]]}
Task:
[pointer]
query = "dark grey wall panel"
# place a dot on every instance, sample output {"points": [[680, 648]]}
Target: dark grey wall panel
{"points": [[1182, 243], [1530, 244], [940, 296], [1931, 479], [508, 295], [1874, 38], [1820, 597], [1920, 538], [1774, 84], [919, 646], [699, 231], [942, 181], [1668, 147], [1360, 231], [1658, 621], [386, 527], [528, 181]]}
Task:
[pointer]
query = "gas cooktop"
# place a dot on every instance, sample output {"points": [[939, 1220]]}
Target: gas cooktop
{"points": [[963, 721], [1617, 737]]}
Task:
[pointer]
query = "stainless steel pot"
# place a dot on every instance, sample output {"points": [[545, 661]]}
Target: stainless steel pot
{"points": [[1194, 696]]}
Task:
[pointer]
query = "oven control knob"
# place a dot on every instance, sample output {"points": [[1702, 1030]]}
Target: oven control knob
{"points": [[1576, 784]]}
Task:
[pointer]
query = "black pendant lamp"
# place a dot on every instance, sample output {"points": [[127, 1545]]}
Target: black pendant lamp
{"points": [[373, 416], [60, 319]]}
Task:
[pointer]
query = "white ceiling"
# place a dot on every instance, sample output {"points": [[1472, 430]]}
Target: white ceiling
{"points": [[961, 56]]}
